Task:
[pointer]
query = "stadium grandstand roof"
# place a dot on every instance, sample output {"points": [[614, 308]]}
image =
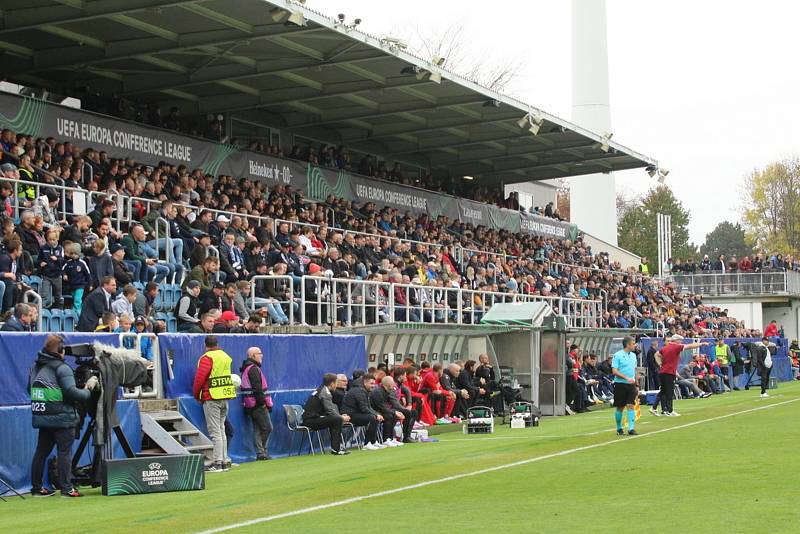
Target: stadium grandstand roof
{"points": [[317, 77]]}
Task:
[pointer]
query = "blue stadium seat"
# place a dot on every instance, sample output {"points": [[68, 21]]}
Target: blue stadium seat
{"points": [[161, 316], [157, 303], [45, 313], [36, 284], [138, 285], [70, 320], [56, 320], [172, 323], [176, 295]]}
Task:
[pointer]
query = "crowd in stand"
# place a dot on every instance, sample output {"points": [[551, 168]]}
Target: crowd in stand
{"points": [[368, 242], [758, 263]]}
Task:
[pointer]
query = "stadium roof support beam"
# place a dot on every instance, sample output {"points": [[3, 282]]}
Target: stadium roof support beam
{"points": [[232, 73], [392, 109], [331, 90], [73, 36], [505, 153], [602, 161], [80, 56], [430, 127], [216, 16], [30, 18], [152, 29]]}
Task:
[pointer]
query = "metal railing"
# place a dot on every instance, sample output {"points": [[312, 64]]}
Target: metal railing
{"points": [[425, 304], [761, 283], [158, 388], [32, 297], [287, 304], [350, 302]]}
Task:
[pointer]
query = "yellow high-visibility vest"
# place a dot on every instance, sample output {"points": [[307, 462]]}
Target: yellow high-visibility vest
{"points": [[220, 384], [721, 352]]}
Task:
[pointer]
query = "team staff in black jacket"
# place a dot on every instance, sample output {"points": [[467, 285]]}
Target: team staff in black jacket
{"points": [[320, 412], [385, 403], [356, 404]]}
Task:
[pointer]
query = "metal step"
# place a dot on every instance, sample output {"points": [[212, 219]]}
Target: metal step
{"points": [[195, 448], [181, 436], [179, 433]]}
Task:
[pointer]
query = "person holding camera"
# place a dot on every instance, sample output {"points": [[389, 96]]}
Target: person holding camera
{"points": [[53, 398]]}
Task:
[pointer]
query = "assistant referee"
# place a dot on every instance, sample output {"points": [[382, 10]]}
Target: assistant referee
{"points": [[623, 367]]}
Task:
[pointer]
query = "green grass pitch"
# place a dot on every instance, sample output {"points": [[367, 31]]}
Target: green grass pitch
{"points": [[729, 464]]}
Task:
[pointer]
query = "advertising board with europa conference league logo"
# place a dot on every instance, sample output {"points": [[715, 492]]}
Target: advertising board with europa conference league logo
{"points": [[153, 474]]}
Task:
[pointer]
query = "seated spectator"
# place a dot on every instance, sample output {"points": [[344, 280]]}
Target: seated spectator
{"points": [[320, 412], [96, 304], [108, 323], [123, 304], [205, 326], [100, 264], [23, 320], [688, 381], [404, 403], [122, 271], [356, 405], [228, 324]]}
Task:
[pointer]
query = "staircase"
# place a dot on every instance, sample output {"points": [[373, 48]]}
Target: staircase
{"points": [[170, 431]]}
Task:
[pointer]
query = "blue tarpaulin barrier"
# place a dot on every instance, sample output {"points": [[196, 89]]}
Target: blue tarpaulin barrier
{"points": [[292, 364], [18, 441]]}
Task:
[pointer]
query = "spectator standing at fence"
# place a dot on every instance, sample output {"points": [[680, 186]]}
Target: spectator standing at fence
{"points": [[213, 387], [668, 359], [256, 402], [51, 260], [771, 330]]}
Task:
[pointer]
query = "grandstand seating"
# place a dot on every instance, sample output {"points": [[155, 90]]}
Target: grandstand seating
{"points": [[429, 252]]}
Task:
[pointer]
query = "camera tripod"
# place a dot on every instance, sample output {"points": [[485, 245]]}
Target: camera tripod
{"points": [[9, 490], [91, 474]]}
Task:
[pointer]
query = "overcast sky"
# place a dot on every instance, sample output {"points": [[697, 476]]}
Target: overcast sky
{"points": [[709, 88]]}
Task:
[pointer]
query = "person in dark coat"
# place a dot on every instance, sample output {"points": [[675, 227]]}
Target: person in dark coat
{"points": [[101, 265], [257, 404], [356, 404], [53, 398], [97, 303], [22, 319], [320, 412]]}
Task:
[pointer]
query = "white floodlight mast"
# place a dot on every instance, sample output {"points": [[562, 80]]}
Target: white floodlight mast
{"points": [[593, 204]]}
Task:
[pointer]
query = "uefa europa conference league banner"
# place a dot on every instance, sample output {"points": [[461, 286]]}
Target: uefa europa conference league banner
{"points": [[150, 145]]}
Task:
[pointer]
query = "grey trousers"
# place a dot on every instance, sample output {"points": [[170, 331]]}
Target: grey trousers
{"points": [[262, 428], [216, 411]]}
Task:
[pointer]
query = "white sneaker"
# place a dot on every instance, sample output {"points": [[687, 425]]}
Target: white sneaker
{"points": [[672, 414], [569, 410], [765, 395], [379, 445], [654, 412], [396, 442], [369, 447], [389, 443]]}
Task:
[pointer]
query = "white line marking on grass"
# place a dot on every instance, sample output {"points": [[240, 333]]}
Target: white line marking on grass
{"points": [[535, 459], [532, 436]]}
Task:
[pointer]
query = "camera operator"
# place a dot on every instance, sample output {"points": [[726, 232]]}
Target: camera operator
{"points": [[53, 399]]}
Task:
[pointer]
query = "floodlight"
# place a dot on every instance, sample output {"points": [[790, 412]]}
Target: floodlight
{"points": [[606, 139], [651, 170], [438, 61], [491, 103], [436, 77], [524, 121], [296, 19], [411, 70], [278, 14], [468, 178], [341, 17]]}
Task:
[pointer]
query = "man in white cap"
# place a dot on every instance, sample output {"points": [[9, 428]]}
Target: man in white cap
{"points": [[668, 359]]}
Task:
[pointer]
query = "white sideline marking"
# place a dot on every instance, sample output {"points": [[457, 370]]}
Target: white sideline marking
{"points": [[352, 500]]}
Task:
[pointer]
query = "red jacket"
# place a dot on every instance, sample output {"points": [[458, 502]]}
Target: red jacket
{"points": [[430, 381], [771, 331], [200, 386]]}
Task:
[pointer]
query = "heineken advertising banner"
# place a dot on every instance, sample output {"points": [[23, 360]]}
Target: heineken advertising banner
{"points": [[154, 474], [151, 145]]}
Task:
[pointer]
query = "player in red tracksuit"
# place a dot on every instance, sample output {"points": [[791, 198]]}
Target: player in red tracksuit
{"points": [[419, 399], [442, 401]]}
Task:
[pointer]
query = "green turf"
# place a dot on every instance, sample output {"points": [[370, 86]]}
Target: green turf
{"points": [[734, 474]]}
